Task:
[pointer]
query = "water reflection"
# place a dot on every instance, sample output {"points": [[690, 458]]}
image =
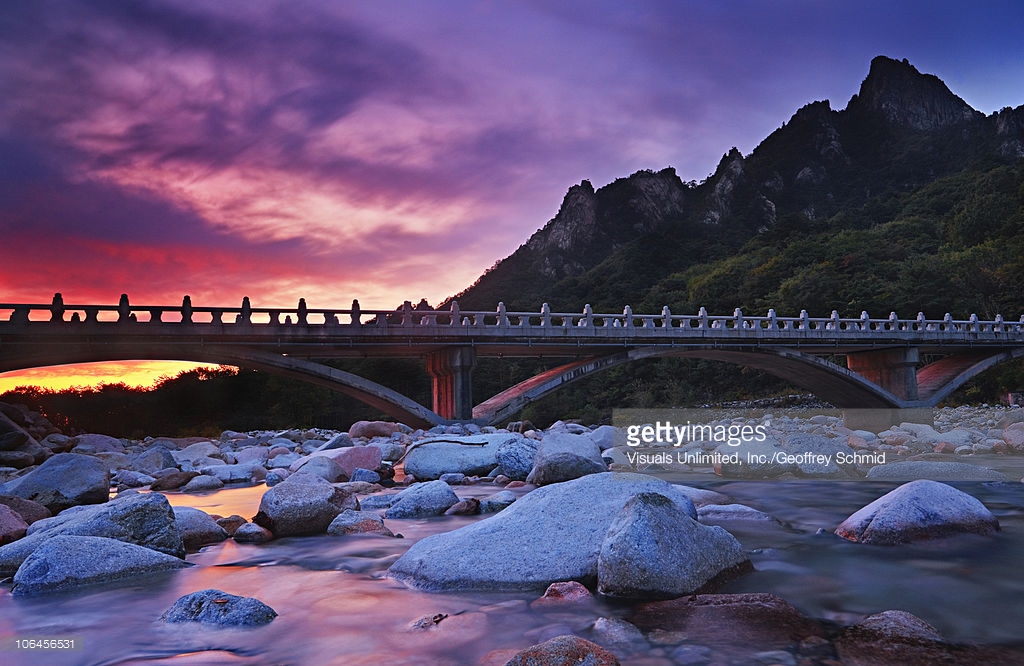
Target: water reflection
{"points": [[336, 606]]}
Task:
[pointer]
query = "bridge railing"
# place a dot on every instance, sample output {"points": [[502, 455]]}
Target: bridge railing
{"points": [[424, 318]]}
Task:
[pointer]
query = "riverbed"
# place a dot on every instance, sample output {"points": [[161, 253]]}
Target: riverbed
{"points": [[337, 606]]}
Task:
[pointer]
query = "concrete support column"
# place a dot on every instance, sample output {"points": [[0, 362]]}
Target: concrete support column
{"points": [[450, 371], [892, 369]]}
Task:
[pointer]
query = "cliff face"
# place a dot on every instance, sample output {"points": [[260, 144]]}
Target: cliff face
{"points": [[907, 98], [902, 131]]}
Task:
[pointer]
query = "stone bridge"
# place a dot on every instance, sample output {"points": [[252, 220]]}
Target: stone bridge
{"points": [[890, 363]]}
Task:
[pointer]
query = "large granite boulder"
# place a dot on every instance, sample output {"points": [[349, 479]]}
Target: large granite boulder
{"points": [[64, 480], [302, 504], [422, 500], [143, 519], [554, 533], [915, 511], [474, 455], [67, 562], [221, 609], [197, 528], [655, 549], [562, 456]]}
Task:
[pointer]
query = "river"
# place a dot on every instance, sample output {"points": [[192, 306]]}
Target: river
{"points": [[336, 605]]}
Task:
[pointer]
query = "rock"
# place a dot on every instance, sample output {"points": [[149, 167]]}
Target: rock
{"points": [[909, 470], [898, 637], [421, 500], [654, 549], [202, 483], [497, 502], [371, 429], [16, 459], [565, 650], [563, 456], [475, 455], [358, 522], [619, 635], [219, 608], [237, 473], [364, 475], [231, 523], [515, 457], [701, 497], [302, 504], [29, 511], [126, 478], [67, 562], [252, 533], [339, 441], [390, 450], [716, 514], [915, 511], [559, 594], [66, 479], [12, 525], [551, 534], [753, 619], [143, 519], [375, 502], [467, 507], [1013, 435], [197, 527], [173, 480], [321, 466], [93, 444], [197, 453], [352, 458]]}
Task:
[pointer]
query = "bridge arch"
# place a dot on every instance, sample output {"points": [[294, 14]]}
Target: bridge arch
{"points": [[376, 395], [833, 383]]}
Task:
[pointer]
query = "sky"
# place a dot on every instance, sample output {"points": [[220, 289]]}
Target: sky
{"points": [[394, 150]]}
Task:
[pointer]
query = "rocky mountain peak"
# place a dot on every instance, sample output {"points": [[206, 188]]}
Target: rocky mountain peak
{"points": [[906, 97]]}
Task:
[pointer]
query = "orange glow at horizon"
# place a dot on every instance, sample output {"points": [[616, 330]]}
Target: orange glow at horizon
{"points": [[137, 374]]}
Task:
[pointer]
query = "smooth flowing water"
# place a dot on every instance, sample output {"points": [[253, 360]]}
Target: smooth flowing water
{"points": [[336, 605]]}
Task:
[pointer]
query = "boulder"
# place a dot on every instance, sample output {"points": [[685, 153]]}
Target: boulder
{"points": [[92, 444], [351, 458], [12, 525], [567, 649], [64, 480], [497, 502], [562, 456], [756, 460], [898, 637], [815, 456], [371, 429], [915, 511], [321, 466], [219, 608], [655, 549], [172, 480], [358, 522], [729, 620], [302, 504], [197, 527], [197, 453], [238, 473], [909, 470], [143, 519], [66, 562], [515, 457], [202, 483], [472, 455], [252, 533], [29, 511], [422, 500], [554, 533]]}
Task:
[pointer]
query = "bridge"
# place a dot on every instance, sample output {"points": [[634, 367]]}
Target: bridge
{"points": [[890, 363]]}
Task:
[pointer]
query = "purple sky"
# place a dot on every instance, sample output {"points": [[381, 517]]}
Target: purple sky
{"points": [[394, 150]]}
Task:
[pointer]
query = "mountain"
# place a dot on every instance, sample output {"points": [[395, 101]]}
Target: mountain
{"points": [[908, 199]]}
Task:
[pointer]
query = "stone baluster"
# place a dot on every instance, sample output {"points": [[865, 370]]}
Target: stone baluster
{"points": [[772, 323], [186, 310], [894, 322], [627, 317], [998, 327], [456, 317], [833, 324], [973, 325], [301, 313], [356, 314], [124, 310], [737, 319], [502, 316], [545, 315], [804, 323], [666, 317], [245, 315], [57, 308], [702, 318], [588, 316], [865, 321]]}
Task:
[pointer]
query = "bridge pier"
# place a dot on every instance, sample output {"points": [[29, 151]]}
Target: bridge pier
{"points": [[450, 372], [895, 370]]}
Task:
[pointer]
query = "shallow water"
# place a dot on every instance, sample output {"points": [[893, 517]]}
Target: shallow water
{"points": [[336, 606]]}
